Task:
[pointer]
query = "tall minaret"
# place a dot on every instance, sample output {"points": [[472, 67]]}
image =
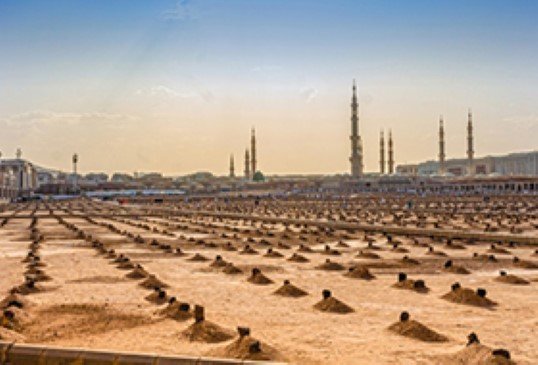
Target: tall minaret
{"points": [[247, 164], [382, 153], [470, 150], [253, 151], [442, 167], [232, 167], [391, 154], [356, 147]]}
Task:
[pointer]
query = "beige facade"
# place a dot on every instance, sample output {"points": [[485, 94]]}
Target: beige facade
{"points": [[17, 178], [513, 164]]}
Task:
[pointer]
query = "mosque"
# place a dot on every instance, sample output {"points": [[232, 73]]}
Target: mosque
{"points": [[513, 164]]}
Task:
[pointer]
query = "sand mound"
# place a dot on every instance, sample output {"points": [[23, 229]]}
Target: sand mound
{"points": [[231, 269], [477, 354], [330, 265], [208, 332], [198, 258], [218, 262], [330, 251], [28, 287], [455, 269], [176, 310], [467, 296], [454, 246], [248, 348], [14, 300], [126, 265], [432, 252], [367, 255], [399, 249], [406, 260], [37, 274], [247, 250], [416, 285], [137, 273], [158, 297], [332, 305], [258, 278], [524, 264], [359, 272], [498, 250], [484, 257], [290, 290], [413, 329], [152, 282], [511, 279], [13, 318], [298, 258], [273, 254], [303, 248]]}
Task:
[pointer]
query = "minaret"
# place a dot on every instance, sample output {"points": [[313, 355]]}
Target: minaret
{"points": [[253, 151], [442, 167], [232, 167], [391, 154], [247, 165], [382, 153], [470, 150], [356, 148]]}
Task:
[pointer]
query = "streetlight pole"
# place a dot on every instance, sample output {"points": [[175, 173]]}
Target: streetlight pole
{"points": [[75, 161]]}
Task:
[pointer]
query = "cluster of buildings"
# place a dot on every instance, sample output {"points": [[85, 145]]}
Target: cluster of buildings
{"points": [[516, 172]]}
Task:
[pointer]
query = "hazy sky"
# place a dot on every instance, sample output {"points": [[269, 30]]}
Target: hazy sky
{"points": [[176, 86]]}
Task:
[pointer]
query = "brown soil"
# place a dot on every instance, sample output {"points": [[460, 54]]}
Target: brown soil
{"points": [[416, 330]]}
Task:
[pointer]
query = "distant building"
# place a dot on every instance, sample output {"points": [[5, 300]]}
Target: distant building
{"points": [[18, 178], [513, 164]]}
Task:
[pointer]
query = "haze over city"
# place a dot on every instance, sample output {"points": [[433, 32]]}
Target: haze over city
{"points": [[175, 87]]}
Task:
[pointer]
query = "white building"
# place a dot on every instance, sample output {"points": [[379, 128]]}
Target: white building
{"points": [[18, 178]]}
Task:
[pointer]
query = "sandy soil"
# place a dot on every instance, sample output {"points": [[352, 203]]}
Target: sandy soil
{"points": [[90, 303]]}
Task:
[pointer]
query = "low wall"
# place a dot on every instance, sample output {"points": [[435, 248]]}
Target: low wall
{"points": [[27, 354]]}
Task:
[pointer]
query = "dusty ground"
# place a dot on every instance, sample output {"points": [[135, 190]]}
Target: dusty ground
{"points": [[90, 303]]}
